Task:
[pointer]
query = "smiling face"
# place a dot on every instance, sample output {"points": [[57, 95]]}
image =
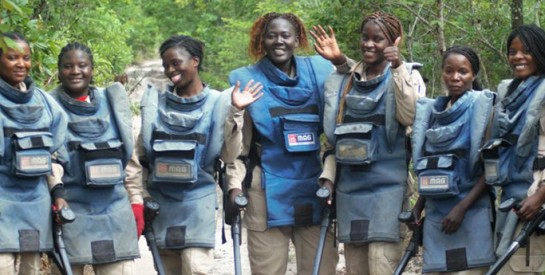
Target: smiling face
{"points": [[457, 75], [76, 73], [372, 45], [15, 64], [280, 41], [180, 67], [521, 60]]}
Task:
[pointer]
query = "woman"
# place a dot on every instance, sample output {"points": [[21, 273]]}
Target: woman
{"points": [[179, 144], [99, 145], [365, 120], [279, 134], [33, 127], [447, 135], [514, 154]]}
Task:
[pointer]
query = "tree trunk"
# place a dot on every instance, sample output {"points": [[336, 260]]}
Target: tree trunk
{"points": [[441, 44], [517, 17]]}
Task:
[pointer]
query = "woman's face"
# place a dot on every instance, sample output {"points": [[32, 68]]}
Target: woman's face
{"points": [[373, 43], [180, 67], [521, 60], [15, 64], [280, 41], [76, 72], [457, 75]]}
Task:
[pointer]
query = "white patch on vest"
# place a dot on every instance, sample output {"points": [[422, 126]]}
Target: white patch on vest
{"points": [[490, 170], [173, 170], [352, 151], [433, 182], [301, 139], [36, 162], [104, 171]]}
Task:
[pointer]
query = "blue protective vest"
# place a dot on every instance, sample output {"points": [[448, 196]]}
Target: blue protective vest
{"points": [[98, 147], [371, 157], [446, 145], [287, 120], [32, 127], [510, 153], [183, 138]]}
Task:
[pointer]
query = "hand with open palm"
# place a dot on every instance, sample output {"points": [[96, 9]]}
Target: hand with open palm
{"points": [[250, 93], [326, 45]]}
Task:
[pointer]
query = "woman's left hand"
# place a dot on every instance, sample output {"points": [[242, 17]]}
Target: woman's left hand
{"points": [[392, 54], [530, 207], [452, 221]]}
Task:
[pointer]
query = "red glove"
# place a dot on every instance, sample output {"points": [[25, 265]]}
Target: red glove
{"points": [[138, 211]]}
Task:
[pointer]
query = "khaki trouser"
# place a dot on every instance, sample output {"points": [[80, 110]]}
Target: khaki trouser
{"points": [[30, 263], [188, 261], [268, 250], [374, 258], [268, 247], [116, 268], [474, 271], [517, 263]]}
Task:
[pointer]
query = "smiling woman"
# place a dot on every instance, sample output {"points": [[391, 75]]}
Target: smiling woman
{"points": [[33, 128], [98, 148], [284, 126]]}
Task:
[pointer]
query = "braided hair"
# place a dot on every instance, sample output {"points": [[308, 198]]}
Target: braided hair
{"points": [[193, 46], [256, 49], [15, 36], [75, 46], [471, 56], [389, 24]]}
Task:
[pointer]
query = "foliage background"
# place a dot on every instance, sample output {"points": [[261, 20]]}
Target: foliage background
{"points": [[121, 32]]}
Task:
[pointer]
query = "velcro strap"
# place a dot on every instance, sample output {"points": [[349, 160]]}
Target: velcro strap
{"points": [[539, 164], [459, 153], [113, 153], [456, 259], [280, 111], [367, 135], [199, 138], [375, 119], [10, 131]]}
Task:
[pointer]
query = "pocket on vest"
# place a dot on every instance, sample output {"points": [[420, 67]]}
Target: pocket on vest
{"points": [[437, 177], [102, 163], [301, 133], [32, 157], [175, 161], [356, 144]]}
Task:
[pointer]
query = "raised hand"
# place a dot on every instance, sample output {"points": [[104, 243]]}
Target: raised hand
{"points": [[250, 93], [392, 54], [326, 45]]}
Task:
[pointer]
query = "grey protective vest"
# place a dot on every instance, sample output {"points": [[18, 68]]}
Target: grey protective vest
{"points": [[32, 126], [446, 145], [371, 157], [183, 138], [98, 147], [510, 153]]}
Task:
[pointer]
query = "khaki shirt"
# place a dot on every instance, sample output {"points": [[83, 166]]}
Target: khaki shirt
{"points": [[539, 176]]}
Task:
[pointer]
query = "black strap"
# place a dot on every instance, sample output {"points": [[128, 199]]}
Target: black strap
{"points": [[375, 119], [10, 131], [460, 153], [539, 164], [280, 111], [200, 138]]}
